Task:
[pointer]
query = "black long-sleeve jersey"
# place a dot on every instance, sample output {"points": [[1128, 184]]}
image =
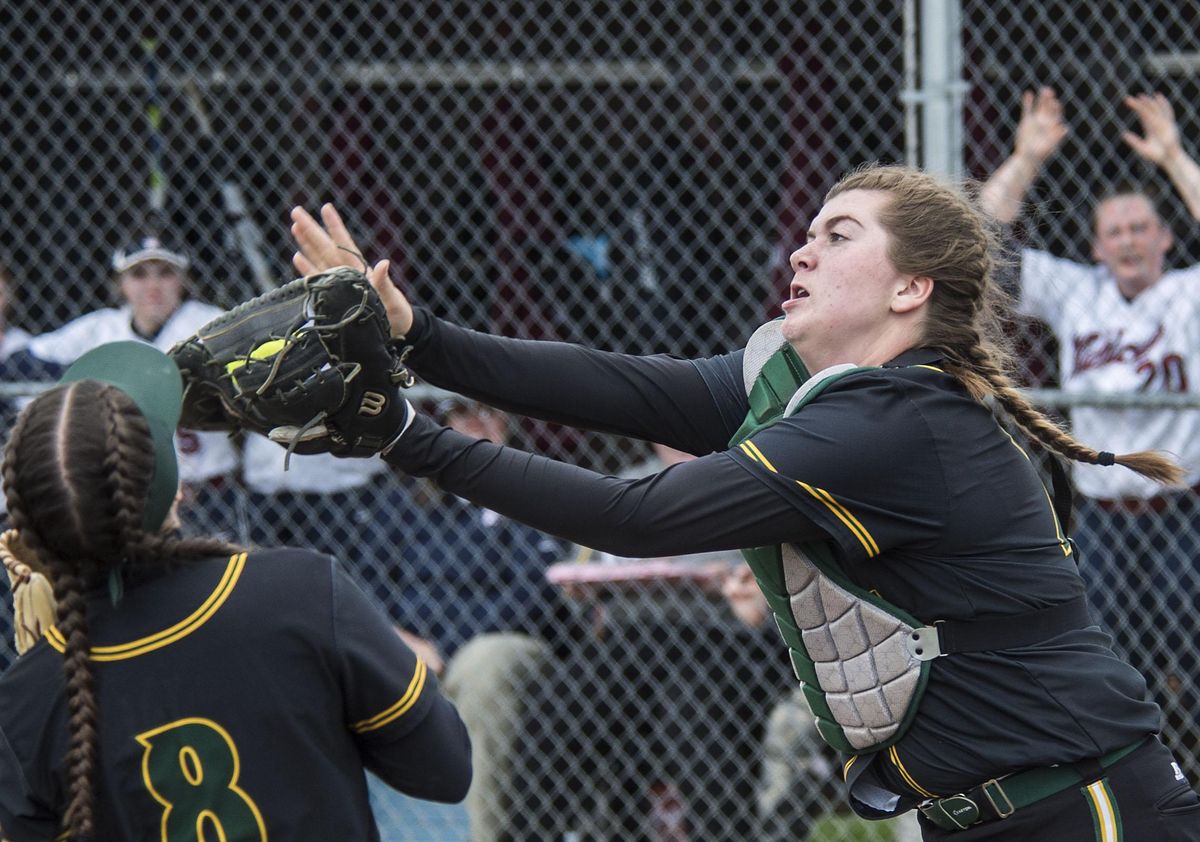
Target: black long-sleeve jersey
{"points": [[245, 695], [920, 492]]}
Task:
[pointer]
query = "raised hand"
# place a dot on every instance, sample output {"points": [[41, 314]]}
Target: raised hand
{"points": [[1042, 127], [1161, 142], [326, 244]]}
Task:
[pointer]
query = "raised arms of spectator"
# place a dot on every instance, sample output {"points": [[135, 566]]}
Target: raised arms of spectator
{"points": [[1161, 145], [1042, 130], [1039, 133]]}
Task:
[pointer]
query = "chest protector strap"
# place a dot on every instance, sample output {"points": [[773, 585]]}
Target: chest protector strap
{"points": [[863, 662], [849, 648]]}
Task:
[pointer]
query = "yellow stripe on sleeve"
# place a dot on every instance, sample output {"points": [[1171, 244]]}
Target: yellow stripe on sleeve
{"points": [[758, 456], [845, 516], [400, 708]]}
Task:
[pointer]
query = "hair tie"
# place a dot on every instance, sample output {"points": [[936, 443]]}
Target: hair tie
{"points": [[1105, 458]]}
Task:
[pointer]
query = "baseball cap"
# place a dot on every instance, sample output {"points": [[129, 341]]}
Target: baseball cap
{"points": [[148, 248], [152, 380]]}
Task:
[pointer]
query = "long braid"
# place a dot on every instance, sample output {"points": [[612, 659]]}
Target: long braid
{"points": [[144, 549], [77, 473], [84, 752], [82, 714], [938, 232], [977, 362]]}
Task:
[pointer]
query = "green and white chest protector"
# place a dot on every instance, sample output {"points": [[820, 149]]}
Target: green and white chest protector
{"points": [[857, 656]]}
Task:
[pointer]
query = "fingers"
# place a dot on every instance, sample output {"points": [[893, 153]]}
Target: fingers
{"points": [[378, 275], [316, 247], [303, 265], [337, 228], [1151, 107], [325, 244], [1048, 104], [1135, 143]]}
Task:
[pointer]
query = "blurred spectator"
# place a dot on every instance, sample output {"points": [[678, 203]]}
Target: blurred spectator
{"points": [[150, 278], [799, 779], [473, 583], [12, 339], [650, 728], [1127, 325], [335, 506]]}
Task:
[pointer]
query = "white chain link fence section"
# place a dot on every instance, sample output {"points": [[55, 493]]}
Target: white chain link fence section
{"points": [[627, 174]]}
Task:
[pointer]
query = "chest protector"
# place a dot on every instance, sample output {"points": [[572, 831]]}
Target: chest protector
{"points": [[857, 656]]}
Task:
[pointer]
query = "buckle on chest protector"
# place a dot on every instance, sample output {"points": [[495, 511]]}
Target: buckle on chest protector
{"points": [[924, 643]]}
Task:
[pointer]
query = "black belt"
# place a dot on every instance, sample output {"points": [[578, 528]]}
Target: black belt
{"points": [[985, 634], [999, 798]]}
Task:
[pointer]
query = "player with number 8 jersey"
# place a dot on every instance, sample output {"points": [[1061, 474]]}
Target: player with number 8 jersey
{"points": [[187, 688]]}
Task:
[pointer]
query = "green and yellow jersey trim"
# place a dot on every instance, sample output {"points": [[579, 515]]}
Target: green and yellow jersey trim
{"points": [[839, 510], [400, 708], [210, 606]]}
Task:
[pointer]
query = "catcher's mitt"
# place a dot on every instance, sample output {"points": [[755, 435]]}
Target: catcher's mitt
{"points": [[311, 364]]}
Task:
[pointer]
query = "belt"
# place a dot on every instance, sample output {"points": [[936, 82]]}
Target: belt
{"points": [[1144, 505], [999, 798]]}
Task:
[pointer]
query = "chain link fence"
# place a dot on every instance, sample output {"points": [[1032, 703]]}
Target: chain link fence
{"points": [[627, 174]]}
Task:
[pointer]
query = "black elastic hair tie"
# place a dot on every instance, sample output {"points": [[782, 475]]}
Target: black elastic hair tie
{"points": [[1105, 458]]}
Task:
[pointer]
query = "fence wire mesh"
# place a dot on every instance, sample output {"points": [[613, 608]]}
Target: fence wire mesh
{"points": [[627, 174]]}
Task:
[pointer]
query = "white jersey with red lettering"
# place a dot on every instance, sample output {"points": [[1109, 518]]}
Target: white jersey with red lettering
{"points": [[1108, 344], [202, 456]]}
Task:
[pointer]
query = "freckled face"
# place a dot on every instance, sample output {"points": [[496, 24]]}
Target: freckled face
{"points": [[843, 283]]}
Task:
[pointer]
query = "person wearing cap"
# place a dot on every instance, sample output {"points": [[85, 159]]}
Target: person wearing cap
{"points": [[150, 279], [185, 683]]}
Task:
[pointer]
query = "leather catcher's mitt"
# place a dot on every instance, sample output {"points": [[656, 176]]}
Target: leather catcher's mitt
{"points": [[312, 364]]}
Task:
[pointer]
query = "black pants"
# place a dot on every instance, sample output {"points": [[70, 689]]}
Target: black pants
{"points": [[1143, 797]]}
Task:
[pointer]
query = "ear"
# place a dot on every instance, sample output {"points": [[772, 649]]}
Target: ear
{"points": [[913, 294]]}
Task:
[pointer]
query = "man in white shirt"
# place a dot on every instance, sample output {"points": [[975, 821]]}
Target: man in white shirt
{"points": [[150, 276], [1127, 324]]}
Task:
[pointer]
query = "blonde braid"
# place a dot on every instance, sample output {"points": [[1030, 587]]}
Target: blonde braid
{"points": [[34, 608]]}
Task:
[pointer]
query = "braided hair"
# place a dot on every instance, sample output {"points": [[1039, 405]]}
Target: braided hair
{"points": [[77, 473], [940, 232]]}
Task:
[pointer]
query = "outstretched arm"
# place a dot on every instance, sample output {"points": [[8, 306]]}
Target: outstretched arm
{"points": [[1039, 134], [687, 405], [1161, 145]]}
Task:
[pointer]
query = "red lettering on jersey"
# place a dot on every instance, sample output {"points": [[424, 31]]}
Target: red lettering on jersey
{"points": [[1093, 350]]}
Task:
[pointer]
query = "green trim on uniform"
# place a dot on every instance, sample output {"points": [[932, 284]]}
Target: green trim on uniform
{"points": [[1106, 817], [782, 375]]}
